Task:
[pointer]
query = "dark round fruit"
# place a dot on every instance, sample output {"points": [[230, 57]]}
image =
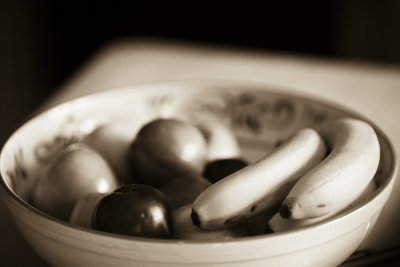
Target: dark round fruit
{"points": [[134, 209]]}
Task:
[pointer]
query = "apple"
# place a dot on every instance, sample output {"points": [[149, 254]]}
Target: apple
{"points": [[76, 171], [184, 190], [136, 210], [165, 149]]}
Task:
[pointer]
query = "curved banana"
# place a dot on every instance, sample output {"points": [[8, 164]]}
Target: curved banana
{"points": [[259, 186], [341, 177], [279, 224]]}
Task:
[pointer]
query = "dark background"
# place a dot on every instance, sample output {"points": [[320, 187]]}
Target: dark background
{"points": [[42, 42]]}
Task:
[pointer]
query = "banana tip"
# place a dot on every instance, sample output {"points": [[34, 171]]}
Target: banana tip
{"points": [[195, 218], [285, 211], [268, 230]]}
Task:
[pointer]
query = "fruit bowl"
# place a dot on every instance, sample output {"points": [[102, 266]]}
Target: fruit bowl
{"points": [[261, 117]]}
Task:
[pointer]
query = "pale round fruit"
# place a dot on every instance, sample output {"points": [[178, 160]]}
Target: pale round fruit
{"points": [[165, 149], [112, 141], [76, 171]]}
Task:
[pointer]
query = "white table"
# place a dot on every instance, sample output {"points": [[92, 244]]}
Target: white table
{"points": [[373, 90]]}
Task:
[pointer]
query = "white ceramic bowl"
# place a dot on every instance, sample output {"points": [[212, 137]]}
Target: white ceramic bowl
{"points": [[260, 117]]}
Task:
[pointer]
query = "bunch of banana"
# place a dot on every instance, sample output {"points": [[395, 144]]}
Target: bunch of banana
{"points": [[259, 186], [314, 174], [342, 177]]}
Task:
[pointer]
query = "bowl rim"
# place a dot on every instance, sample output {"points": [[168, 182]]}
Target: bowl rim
{"points": [[229, 85]]}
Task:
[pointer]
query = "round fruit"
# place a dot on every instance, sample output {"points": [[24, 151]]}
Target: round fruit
{"points": [[219, 169], [112, 141], [165, 149], [76, 171], [134, 209]]}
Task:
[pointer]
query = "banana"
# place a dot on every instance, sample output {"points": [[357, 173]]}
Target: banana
{"points": [[259, 186], [279, 224], [341, 177]]}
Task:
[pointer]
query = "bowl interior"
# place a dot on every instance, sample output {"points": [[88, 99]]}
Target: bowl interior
{"points": [[260, 118]]}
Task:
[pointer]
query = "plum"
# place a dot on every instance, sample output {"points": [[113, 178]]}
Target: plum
{"points": [[136, 210]]}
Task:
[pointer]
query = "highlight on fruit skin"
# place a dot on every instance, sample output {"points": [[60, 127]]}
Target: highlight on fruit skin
{"points": [[341, 177]]}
